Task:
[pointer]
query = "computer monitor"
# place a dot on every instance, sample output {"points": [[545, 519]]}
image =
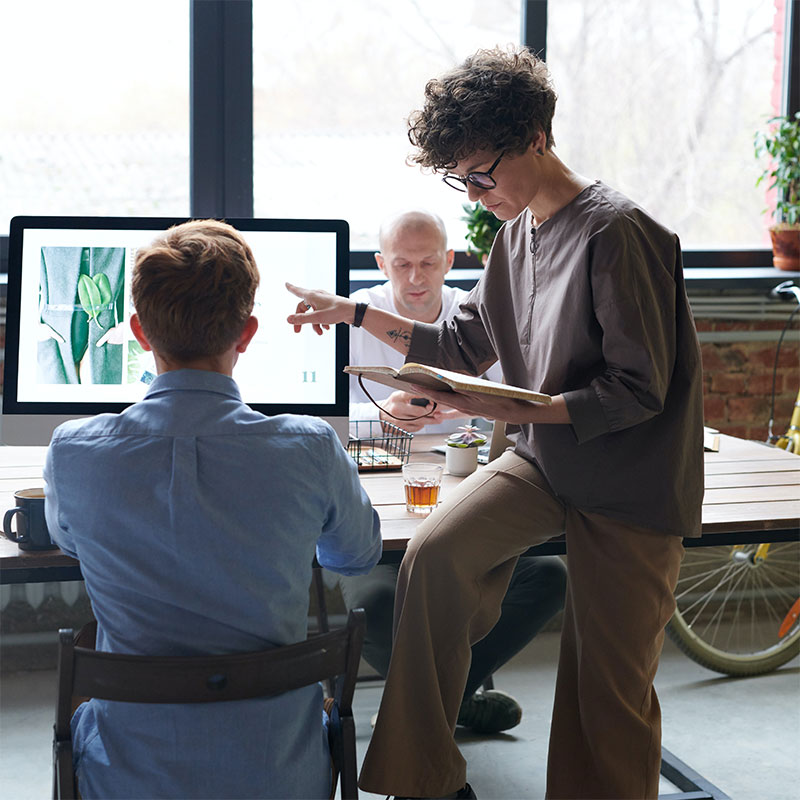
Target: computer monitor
{"points": [[69, 349]]}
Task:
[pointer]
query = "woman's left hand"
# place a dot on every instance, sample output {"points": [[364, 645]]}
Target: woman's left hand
{"points": [[507, 409]]}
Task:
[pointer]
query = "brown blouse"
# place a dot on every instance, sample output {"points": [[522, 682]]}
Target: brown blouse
{"points": [[592, 304]]}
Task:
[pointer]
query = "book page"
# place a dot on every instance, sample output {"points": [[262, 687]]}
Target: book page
{"points": [[443, 381], [469, 383]]}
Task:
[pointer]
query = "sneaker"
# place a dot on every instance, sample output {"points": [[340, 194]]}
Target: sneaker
{"points": [[490, 711]]}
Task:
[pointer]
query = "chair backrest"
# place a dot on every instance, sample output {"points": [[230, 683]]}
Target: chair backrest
{"points": [[83, 672]]}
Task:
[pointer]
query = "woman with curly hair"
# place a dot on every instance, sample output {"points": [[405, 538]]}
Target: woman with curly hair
{"points": [[582, 298]]}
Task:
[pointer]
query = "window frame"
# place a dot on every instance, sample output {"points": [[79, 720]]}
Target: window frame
{"points": [[751, 268], [221, 125]]}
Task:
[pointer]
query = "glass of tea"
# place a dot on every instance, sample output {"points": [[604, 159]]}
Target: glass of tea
{"points": [[422, 482]]}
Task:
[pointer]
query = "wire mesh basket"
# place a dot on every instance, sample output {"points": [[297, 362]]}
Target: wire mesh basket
{"points": [[377, 445]]}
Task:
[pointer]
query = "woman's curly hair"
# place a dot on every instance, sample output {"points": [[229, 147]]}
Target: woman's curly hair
{"points": [[496, 100]]}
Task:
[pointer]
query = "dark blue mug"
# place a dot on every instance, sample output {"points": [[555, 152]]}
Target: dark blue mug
{"points": [[31, 533]]}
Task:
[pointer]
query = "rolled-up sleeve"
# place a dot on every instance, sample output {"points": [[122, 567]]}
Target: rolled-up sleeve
{"points": [[460, 344], [350, 543]]}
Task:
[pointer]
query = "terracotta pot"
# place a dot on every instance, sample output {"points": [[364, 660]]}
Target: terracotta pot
{"points": [[786, 247]]}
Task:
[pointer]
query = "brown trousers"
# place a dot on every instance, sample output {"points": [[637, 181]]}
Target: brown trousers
{"points": [[605, 738]]}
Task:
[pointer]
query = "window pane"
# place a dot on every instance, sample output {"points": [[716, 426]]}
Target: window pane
{"points": [[333, 84], [662, 100], [95, 108]]}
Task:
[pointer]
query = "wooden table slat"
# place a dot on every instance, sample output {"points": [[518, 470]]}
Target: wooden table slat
{"points": [[735, 449], [20, 473], [730, 480], [751, 494], [785, 513], [388, 490], [750, 465]]}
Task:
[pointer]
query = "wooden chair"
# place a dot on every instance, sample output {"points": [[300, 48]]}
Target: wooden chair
{"points": [[85, 672]]}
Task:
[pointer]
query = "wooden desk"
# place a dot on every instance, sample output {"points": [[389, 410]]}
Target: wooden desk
{"points": [[752, 495]]}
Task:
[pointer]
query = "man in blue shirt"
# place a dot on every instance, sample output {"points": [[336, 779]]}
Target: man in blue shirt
{"points": [[195, 520]]}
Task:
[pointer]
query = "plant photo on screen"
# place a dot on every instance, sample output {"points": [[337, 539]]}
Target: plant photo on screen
{"points": [[80, 307]]}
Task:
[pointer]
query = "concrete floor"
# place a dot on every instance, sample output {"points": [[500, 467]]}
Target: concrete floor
{"points": [[740, 734]]}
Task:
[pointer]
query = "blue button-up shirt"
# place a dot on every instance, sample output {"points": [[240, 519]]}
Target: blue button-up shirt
{"points": [[195, 520]]}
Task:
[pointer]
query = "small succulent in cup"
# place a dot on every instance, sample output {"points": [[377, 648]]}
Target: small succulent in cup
{"points": [[466, 436]]}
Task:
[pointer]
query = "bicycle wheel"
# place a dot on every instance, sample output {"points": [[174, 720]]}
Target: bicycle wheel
{"points": [[733, 604]]}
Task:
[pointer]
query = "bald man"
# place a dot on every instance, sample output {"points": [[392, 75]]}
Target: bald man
{"points": [[415, 258]]}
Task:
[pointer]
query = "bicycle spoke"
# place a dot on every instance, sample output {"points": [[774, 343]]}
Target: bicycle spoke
{"points": [[731, 607], [775, 614], [716, 617], [709, 595], [734, 628], [698, 578]]}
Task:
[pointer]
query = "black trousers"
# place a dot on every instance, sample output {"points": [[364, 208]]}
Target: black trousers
{"points": [[535, 594]]}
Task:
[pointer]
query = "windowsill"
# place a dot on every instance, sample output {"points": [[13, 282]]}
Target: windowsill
{"points": [[736, 277], [700, 278]]}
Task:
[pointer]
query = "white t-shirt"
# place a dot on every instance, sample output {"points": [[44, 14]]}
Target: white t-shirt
{"points": [[367, 350]]}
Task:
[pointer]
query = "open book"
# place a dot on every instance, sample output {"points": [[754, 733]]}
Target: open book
{"points": [[444, 381]]}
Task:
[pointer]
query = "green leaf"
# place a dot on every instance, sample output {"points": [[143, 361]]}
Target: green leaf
{"points": [[482, 227], [104, 287], [89, 295], [782, 144]]}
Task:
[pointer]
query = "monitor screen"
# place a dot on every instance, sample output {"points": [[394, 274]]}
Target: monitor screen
{"points": [[70, 351]]}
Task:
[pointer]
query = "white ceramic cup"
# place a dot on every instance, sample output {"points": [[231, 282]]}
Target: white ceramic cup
{"points": [[461, 460]]}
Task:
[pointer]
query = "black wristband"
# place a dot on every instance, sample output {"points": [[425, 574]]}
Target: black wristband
{"points": [[358, 317]]}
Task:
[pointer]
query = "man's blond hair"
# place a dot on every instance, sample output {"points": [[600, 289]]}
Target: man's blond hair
{"points": [[194, 288]]}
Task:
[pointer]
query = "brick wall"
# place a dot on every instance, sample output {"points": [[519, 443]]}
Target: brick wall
{"points": [[737, 378]]}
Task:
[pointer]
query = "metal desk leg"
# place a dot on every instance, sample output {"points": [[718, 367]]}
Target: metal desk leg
{"points": [[692, 785]]}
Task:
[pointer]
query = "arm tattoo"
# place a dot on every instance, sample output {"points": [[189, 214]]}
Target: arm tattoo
{"points": [[400, 335]]}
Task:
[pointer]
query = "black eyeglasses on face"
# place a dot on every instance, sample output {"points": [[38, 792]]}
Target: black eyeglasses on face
{"points": [[482, 180]]}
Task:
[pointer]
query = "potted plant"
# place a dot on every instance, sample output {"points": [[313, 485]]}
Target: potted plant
{"points": [[782, 144], [461, 454], [482, 227]]}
